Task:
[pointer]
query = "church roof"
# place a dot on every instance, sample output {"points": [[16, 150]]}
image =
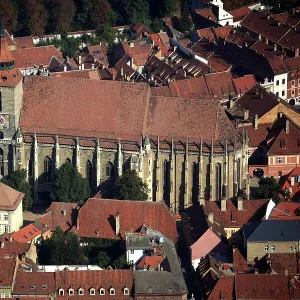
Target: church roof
{"points": [[9, 198], [117, 110], [5, 54]]}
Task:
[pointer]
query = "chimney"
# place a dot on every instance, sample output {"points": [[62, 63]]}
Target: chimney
{"points": [[211, 217], [292, 181], [275, 47], [256, 271], [246, 114], [117, 223], [296, 52], [240, 204], [255, 121], [256, 92], [2, 244], [79, 60], [122, 71], [65, 68], [77, 222], [231, 103], [286, 272], [223, 204], [64, 212], [287, 126]]}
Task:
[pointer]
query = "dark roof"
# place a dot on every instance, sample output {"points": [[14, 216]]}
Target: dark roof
{"points": [[137, 241], [276, 230]]}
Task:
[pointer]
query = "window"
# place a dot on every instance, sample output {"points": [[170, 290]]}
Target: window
{"points": [[126, 291], [112, 291], [0, 101], [80, 291], [293, 83], [232, 232], [131, 251], [266, 247], [293, 93], [30, 168], [61, 292], [44, 286], [277, 82], [218, 182], [280, 160], [249, 152], [6, 230], [291, 248], [1, 135], [272, 248], [102, 291], [5, 217], [71, 292], [89, 172], [1, 162], [277, 94], [131, 262], [195, 188], [92, 292], [166, 182], [109, 169], [279, 173], [283, 93], [283, 81], [47, 169], [30, 232], [32, 287]]}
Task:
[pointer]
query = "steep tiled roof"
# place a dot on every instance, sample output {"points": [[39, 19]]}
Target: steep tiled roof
{"points": [[253, 210], [24, 42], [34, 283], [257, 286], [206, 33], [243, 84], [106, 279], [239, 262], [291, 39], [223, 31], [257, 136], [277, 65], [150, 262], [36, 56], [59, 214], [98, 52], [9, 198], [285, 262], [292, 64], [158, 42], [10, 78], [141, 29], [96, 218], [260, 47], [7, 271], [240, 13], [84, 74], [12, 248], [26, 234], [224, 289], [5, 54], [287, 210], [206, 13]]}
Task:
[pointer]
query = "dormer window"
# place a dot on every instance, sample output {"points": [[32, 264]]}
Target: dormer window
{"points": [[126, 291], [71, 292], [102, 291], [92, 292], [80, 291], [61, 292], [112, 291]]}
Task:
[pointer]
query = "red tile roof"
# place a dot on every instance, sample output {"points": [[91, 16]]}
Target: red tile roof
{"points": [[26, 234], [141, 29], [245, 83], [9, 198], [106, 279], [158, 42], [223, 31], [240, 13], [24, 42], [139, 51], [239, 262], [7, 270], [277, 65], [206, 33], [253, 210], [59, 214], [257, 136], [291, 40], [287, 210], [34, 283], [267, 51], [224, 289], [12, 248], [36, 56], [84, 74], [285, 262], [219, 62], [150, 262], [10, 78], [258, 286], [5, 54], [97, 218], [207, 13]]}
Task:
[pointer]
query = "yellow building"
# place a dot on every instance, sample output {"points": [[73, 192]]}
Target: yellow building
{"points": [[11, 213]]}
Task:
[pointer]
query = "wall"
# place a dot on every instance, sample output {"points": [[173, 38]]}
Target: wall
{"points": [[132, 258], [280, 85]]}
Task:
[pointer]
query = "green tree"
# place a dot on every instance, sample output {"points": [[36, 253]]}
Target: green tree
{"points": [[106, 34], [268, 188], [130, 186], [120, 262], [69, 186], [137, 11], [62, 248], [9, 14], [103, 260], [185, 20], [18, 181], [101, 13], [83, 13]]}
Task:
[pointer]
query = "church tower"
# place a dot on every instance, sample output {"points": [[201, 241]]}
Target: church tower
{"points": [[10, 104]]}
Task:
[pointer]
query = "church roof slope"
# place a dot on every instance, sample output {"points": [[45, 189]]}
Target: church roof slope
{"points": [[82, 107], [9, 198]]}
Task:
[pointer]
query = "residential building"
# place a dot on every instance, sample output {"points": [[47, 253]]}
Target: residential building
{"points": [[290, 182], [27, 234], [271, 236], [11, 212], [137, 247]]}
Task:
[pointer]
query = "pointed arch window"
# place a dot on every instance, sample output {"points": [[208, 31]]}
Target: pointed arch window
{"points": [[1, 135], [89, 171], [1, 162], [195, 182], [238, 172], [47, 176], [0, 101], [167, 182], [109, 169], [30, 168], [218, 182], [68, 160]]}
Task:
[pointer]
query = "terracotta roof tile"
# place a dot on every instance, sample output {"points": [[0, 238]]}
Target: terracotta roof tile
{"points": [[5, 53], [285, 262], [277, 65], [223, 31], [240, 13], [133, 215], [140, 29], [155, 37], [258, 286], [291, 210], [10, 78], [206, 33], [9, 198], [24, 42], [12, 248], [85, 74], [7, 270], [243, 84], [267, 51], [26, 234], [28, 57], [207, 13], [239, 262], [150, 262], [224, 289]]}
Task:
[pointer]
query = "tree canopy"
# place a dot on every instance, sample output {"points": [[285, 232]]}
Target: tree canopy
{"points": [[268, 188], [62, 248], [69, 185], [130, 186], [18, 181]]}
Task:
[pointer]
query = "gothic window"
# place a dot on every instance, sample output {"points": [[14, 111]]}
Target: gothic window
{"points": [[218, 182], [1, 135], [0, 101], [195, 183], [238, 172], [166, 182], [47, 169], [1, 162], [30, 168], [68, 160], [89, 171], [109, 169]]}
